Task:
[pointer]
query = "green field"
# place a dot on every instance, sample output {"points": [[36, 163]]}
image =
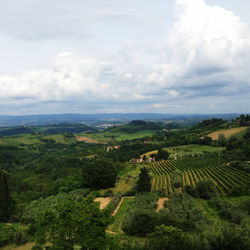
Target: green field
{"points": [[195, 169], [126, 179]]}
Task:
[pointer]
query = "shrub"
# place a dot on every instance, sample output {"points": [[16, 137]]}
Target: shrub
{"points": [[108, 193], [190, 190], [6, 234], [20, 238], [206, 189], [140, 222]]}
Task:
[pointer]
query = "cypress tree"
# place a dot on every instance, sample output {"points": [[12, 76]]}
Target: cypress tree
{"points": [[143, 184], [4, 197]]}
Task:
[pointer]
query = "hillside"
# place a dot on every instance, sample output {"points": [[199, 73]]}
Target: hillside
{"points": [[197, 182]]}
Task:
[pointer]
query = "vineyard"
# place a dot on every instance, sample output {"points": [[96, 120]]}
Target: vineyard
{"points": [[192, 170]]}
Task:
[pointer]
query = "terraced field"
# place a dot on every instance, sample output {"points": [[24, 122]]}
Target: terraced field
{"points": [[195, 169]]}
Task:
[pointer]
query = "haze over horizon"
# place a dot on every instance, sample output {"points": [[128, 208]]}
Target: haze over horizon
{"points": [[134, 56]]}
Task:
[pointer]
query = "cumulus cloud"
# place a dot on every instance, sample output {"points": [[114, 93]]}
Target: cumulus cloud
{"points": [[205, 54], [207, 45]]}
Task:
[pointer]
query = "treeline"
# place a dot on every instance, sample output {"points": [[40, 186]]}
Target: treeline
{"points": [[49, 129]]}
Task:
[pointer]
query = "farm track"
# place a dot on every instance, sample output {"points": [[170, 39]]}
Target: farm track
{"points": [[118, 206]]}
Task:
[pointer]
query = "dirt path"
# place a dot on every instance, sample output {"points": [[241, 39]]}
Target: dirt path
{"points": [[118, 206], [161, 203], [103, 201]]}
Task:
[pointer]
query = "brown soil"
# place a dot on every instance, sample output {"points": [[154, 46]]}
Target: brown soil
{"points": [[103, 201], [161, 203], [226, 132], [86, 139]]}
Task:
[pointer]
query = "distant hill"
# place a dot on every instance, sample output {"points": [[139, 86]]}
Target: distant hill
{"points": [[46, 129], [102, 118]]}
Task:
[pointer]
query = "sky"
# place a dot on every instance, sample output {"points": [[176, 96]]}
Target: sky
{"points": [[124, 56]]}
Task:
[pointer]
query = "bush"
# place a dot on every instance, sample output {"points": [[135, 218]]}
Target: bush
{"points": [[37, 247], [20, 238], [6, 234], [108, 193], [140, 218], [206, 189], [190, 190], [141, 222], [167, 237], [232, 214]]}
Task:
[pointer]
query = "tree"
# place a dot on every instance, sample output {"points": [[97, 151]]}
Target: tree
{"points": [[222, 140], [5, 201], [162, 155], [167, 237], [143, 184], [71, 223], [141, 222], [176, 181], [206, 189], [100, 174]]}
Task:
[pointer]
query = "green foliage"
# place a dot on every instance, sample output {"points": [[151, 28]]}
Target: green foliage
{"points": [[182, 212], [141, 223], [5, 201], [119, 216], [19, 238], [73, 223], [167, 237], [141, 216], [114, 203], [206, 189], [176, 179], [162, 154], [143, 184], [6, 234], [30, 211], [227, 236], [190, 190], [100, 174]]}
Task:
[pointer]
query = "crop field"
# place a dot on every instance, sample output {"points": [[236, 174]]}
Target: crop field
{"points": [[227, 132], [187, 151], [195, 169], [119, 216]]}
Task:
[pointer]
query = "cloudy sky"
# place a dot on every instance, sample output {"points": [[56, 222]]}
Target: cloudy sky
{"points": [[109, 56]]}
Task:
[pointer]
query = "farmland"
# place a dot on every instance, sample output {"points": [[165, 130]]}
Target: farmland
{"points": [[188, 151], [193, 170], [226, 132]]}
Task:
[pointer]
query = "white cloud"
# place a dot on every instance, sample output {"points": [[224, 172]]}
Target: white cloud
{"points": [[207, 44], [65, 54], [206, 53]]}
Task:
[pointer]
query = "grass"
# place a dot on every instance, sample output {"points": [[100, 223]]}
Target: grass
{"points": [[58, 138], [118, 218], [208, 211], [126, 179], [119, 136], [17, 140]]}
